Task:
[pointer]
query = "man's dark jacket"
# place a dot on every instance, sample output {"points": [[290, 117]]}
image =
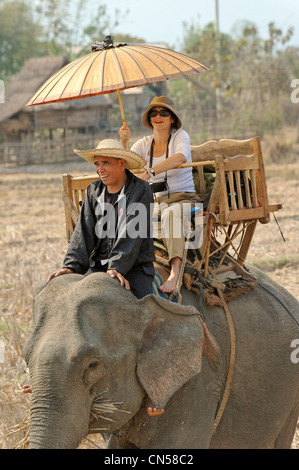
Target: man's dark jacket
{"points": [[123, 252]]}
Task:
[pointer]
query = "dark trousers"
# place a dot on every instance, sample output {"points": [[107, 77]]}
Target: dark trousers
{"points": [[140, 278]]}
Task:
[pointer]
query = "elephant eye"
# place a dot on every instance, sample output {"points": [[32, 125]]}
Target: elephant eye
{"points": [[93, 365], [93, 371]]}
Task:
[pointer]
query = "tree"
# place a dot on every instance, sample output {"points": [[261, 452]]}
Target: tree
{"points": [[49, 27], [252, 73], [54, 17], [20, 37]]}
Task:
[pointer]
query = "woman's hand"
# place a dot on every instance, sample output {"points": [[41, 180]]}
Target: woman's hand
{"points": [[145, 176], [125, 134]]}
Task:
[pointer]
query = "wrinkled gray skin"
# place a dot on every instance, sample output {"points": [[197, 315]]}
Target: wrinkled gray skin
{"points": [[92, 338]]}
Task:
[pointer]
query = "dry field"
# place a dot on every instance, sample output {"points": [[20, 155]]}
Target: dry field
{"points": [[32, 241]]}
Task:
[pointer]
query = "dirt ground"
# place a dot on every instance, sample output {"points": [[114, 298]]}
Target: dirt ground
{"points": [[33, 243]]}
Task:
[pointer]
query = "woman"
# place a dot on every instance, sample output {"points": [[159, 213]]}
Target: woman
{"points": [[164, 150]]}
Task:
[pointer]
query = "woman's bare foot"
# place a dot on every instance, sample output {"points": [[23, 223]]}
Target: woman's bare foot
{"points": [[152, 410], [171, 283]]}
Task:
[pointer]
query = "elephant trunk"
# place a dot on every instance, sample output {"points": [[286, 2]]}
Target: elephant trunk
{"points": [[58, 419], [48, 432], [55, 429]]}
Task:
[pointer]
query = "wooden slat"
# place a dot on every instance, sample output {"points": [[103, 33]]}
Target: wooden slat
{"points": [[76, 199], [229, 236], [274, 207], [82, 182], [213, 202], [247, 188], [239, 190], [246, 242], [232, 147], [206, 151], [202, 181], [246, 214], [261, 181], [253, 188], [67, 188], [70, 207], [183, 165], [194, 164], [228, 147], [242, 162], [82, 194], [223, 201], [230, 176]]}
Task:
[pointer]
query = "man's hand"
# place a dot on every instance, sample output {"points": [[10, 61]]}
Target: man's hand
{"points": [[59, 272], [123, 281]]}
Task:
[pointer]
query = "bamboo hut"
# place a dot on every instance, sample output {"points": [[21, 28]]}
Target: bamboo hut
{"points": [[47, 132]]}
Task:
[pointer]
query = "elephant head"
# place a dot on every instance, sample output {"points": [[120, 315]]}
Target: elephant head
{"points": [[93, 340]]}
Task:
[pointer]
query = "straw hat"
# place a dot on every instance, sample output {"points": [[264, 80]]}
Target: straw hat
{"points": [[164, 102], [113, 148]]}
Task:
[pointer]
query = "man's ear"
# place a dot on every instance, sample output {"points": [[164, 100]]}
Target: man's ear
{"points": [[122, 163]]}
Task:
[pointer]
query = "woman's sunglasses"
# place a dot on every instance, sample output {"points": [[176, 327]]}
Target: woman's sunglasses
{"points": [[162, 113]]}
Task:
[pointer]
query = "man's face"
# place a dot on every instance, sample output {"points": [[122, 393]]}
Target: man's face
{"points": [[110, 170]]}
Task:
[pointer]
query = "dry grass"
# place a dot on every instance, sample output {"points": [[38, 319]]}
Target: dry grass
{"points": [[101, 409], [32, 242]]}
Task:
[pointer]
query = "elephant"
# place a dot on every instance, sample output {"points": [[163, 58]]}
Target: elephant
{"points": [[94, 340]]}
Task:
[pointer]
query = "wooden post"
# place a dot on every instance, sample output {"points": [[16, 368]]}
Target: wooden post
{"points": [[69, 224], [261, 182]]}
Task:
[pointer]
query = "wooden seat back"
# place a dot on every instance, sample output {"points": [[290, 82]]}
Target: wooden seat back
{"points": [[229, 148], [73, 195], [239, 196]]}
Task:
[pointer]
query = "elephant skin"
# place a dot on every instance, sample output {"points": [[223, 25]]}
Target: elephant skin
{"points": [[92, 339]]}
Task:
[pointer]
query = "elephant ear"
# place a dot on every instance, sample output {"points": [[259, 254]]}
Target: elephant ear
{"points": [[173, 345]]}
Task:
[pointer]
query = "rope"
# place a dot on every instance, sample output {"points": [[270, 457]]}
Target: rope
{"points": [[231, 367], [229, 379], [232, 238], [232, 333], [281, 233]]}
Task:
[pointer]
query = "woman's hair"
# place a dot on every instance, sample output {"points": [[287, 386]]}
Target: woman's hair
{"points": [[174, 124]]}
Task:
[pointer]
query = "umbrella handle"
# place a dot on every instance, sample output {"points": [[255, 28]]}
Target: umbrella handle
{"points": [[122, 114], [121, 107]]}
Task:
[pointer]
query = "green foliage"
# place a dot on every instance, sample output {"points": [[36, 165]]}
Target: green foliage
{"points": [[19, 37], [49, 27], [252, 75], [246, 90]]}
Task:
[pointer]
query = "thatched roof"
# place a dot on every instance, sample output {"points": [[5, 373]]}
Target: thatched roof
{"points": [[23, 86]]}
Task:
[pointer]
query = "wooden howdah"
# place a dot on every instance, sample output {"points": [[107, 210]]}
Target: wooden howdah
{"points": [[237, 201]]}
